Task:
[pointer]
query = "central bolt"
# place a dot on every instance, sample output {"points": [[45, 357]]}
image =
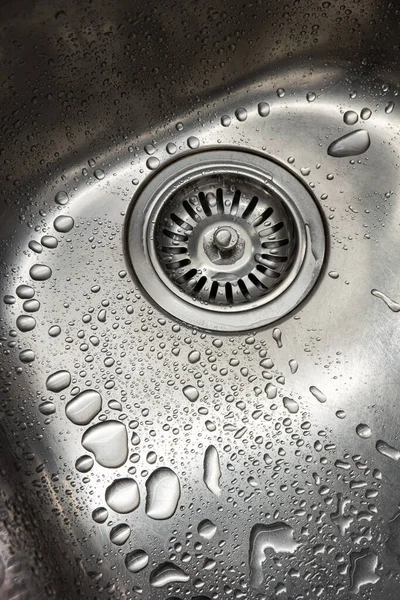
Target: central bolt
{"points": [[226, 238]]}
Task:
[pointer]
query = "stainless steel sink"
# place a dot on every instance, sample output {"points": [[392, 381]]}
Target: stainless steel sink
{"points": [[200, 275]]}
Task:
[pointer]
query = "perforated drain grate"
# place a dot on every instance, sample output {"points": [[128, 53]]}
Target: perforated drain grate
{"points": [[226, 240]]}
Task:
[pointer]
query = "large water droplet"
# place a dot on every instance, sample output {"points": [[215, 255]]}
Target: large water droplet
{"points": [[317, 394], [58, 381], [363, 565], [109, 443], [122, 496], [136, 561], [63, 224], [387, 450], [120, 534], [241, 114], [25, 323], [351, 144], [206, 529], [84, 407], [394, 306], [191, 393], [363, 431], [263, 109], [278, 537], [31, 305], [25, 292], [167, 573], [212, 470], [163, 493], [40, 272], [27, 356], [350, 117]]}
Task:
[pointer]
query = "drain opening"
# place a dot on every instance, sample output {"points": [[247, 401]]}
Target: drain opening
{"points": [[226, 240]]}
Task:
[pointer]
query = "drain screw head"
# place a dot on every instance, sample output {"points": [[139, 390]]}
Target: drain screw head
{"points": [[226, 238]]}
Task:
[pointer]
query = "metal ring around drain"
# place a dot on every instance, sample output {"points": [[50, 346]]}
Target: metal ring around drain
{"points": [[225, 240]]}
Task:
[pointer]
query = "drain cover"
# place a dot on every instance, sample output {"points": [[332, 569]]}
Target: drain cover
{"points": [[226, 240]]}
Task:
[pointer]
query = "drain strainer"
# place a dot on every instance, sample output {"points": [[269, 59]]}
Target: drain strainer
{"points": [[226, 240]]}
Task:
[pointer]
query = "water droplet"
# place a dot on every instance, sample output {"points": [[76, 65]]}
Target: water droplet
{"points": [[271, 391], [194, 357], [149, 149], [363, 565], [225, 121], [122, 496], [58, 381], [31, 305], [25, 292], [193, 142], [333, 274], [311, 96], [99, 174], [394, 306], [291, 405], [277, 336], [206, 529], [27, 356], [389, 107], [8, 299], [167, 573], [341, 414], [191, 393], [212, 470], [365, 114], [120, 534], [61, 198], [109, 443], [350, 117], [280, 92], [25, 323], [54, 330], [163, 493], [293, 364], [84, 463], [317, 394], [363, 431], [171, 148], [47, 408], [387, 450], [179, 126], [115, 405], [84, 407], [100, 515], [40, 272], [136, 561], [153, 163], [63, 224], [278, 537], [49, 241], [241, 114], [352, 144], [35, 247]]}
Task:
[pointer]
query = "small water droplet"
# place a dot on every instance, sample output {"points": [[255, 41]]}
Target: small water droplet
{"points": [[25, 292], [100, 515], [47, 408], [387, 450], [35, 247], [61, 198], [49, 241], [120, 534], [194, 356], [136, 561], [153, 163], [311, 96], [31, 305], [84, 463], [363, 431], [171, 148], [25, 323], [350, 117], [333, 274], [27, 356], [206, 529], [241, 114], [99, 174], [191, 393], [58, 381], [193, 142], [63, 224], [40, 272], [54, 330], [280, 92], [263, 109], [277, 336], [318, 394], [365, 114], [179, 126], [291, 405], [389, 107], [293, 364]]}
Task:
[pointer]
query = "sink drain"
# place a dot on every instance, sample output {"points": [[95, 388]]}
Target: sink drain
{"points": [[225, 240]]}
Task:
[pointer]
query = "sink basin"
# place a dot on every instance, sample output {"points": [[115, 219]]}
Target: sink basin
{"points": [[199, 300]]}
